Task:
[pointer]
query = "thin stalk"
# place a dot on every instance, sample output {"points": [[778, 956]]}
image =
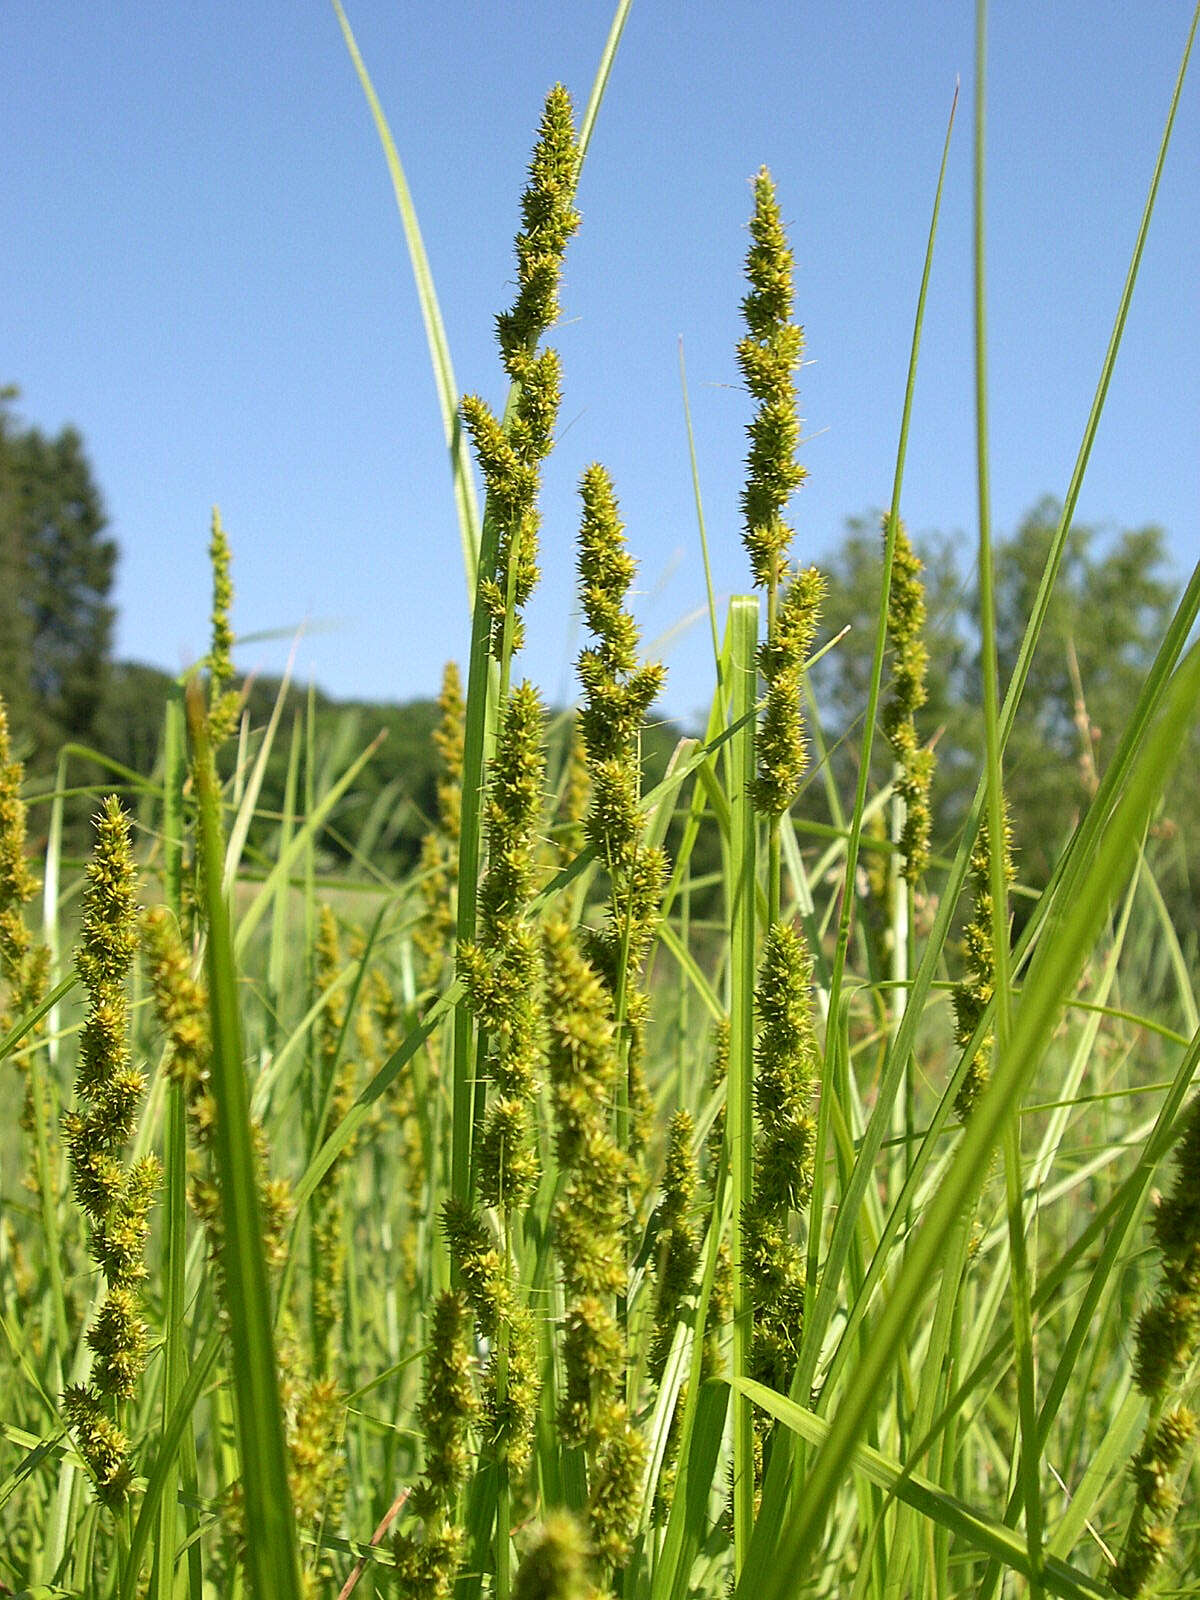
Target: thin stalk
{"points": [[175, 1159], [997, 832], [272, 1556], [743, 634], [700, 523]]}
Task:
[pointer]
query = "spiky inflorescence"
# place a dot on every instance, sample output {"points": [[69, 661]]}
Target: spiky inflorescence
{"points": [[335, 1079], [509, 456], [1168, 1337], [782, 756], [24, 962], [974, 989], [906, 622], [618, 691], [503, 979], [555, 1565], [678, 1256], [426, 1562], [223, 701], [718, 1074], [434, 934], [571, 830], [502, 972], [720, 1305], [768, 354], [115, 1198], [678, 1252], [589, 1222], [1154, 1468], [785, 1069], [487, 1281]]}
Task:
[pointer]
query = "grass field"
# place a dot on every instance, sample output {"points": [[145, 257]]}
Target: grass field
{"points": [[563, 1220]]}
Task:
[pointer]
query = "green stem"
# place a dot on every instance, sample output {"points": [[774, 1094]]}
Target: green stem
{"points": [[743, 631], [504, 1485]]}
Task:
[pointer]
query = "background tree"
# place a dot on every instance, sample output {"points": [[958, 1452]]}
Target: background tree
{"points": [[56, 573], [1110, 607]]}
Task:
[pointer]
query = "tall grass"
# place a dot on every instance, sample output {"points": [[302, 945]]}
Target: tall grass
{"points": [[499, 1248]]}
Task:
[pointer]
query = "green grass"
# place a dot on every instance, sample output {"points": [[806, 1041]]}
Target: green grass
{"points": [[958, 1411]]}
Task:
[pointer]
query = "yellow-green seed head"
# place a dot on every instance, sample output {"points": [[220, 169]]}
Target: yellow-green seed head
{"points": [[768, 355], [781, 752], [906, 622], [973, 991], [555, 1565], [223, 702], [548, 219]]}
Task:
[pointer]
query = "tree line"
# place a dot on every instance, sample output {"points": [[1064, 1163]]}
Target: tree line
{"points": [[1112, 602]]}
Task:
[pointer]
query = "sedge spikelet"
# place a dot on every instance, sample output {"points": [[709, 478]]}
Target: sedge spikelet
{"points": [[426, 1561], [678, 1257], [785, 1069], [1168, 1337], [509, 455], [501, 972], [335, 1079], [906, 622], [502, 976], [974, 989], [768, 354], [677, 1248], [223, 700], [486, 1276], [555, 1565], [571, 831], [1156, 1499], [589, 1220], [785, 1054], [434, 934], [24, 962], [780, 747], [618, 692], [116, 1199]]}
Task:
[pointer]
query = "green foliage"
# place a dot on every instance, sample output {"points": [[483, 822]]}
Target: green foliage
{"points": [[485, 1344], [56, 574], [1106, 614]]}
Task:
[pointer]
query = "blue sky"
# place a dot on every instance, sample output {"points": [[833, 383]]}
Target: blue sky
{"points": [[205, 272]]}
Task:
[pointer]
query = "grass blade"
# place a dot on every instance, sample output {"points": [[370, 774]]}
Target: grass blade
{"points": [[272, 1554], [1051, 976]]}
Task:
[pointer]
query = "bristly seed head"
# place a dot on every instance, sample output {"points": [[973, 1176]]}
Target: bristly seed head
{"points": [[510, 454], [116, 1200], [768, 355], [906, 622]]}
